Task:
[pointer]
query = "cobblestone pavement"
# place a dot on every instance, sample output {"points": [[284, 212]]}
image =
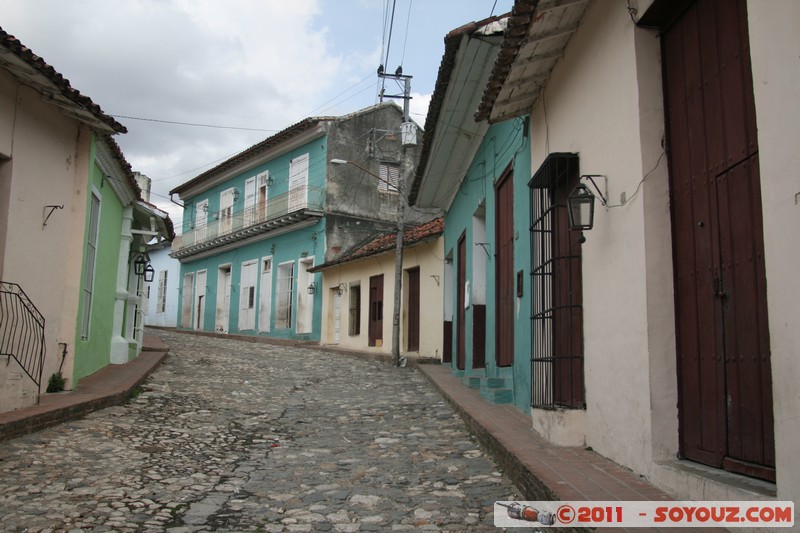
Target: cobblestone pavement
{"points": [[236, 436]]}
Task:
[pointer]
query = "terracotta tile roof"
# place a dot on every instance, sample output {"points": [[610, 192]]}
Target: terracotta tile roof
{"points": [[387, 241], [452, 43], [56, 81]]}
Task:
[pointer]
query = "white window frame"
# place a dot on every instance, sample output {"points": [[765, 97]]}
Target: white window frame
{"points": [[247, 295], [187, 300], [284, 298], [161, 302], [389, 181], [90, 263], [298, 183]]}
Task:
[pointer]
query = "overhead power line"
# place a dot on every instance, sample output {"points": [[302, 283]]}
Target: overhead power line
{"points": [[195, 124]]}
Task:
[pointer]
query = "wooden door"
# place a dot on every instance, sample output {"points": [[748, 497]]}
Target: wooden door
{"points": [[724, 374], [413, 310], [461, 298], [375, 327], [504, 273]]}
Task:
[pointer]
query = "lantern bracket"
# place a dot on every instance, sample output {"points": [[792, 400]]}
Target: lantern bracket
{"points": [[590, 178]]}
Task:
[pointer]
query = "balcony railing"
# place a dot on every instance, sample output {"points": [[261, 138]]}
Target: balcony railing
{"points": [[282, 210], [21, 331]]}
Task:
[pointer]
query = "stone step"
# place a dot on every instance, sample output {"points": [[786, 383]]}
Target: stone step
{"points": [[473, 382], [497, 395], [495, 383]]}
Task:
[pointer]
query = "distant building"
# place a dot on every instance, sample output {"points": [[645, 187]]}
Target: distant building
{"points": [[358, 294], [255, 225], [161, 294]]}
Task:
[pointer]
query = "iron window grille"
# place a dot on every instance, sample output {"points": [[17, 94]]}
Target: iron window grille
{"points": [[556, 287]]}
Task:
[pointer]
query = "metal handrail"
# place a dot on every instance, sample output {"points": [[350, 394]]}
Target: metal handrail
{"points": [[297, 199], [21, 331]]}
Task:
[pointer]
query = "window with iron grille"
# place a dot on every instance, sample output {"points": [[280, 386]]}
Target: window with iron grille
{"points": [[557, 289]]}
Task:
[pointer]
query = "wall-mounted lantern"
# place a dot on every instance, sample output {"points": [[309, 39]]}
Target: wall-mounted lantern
{"points": [[312, 288], [235, 195], [140, 264], [580, 206], [142, 267], [340, 289]]}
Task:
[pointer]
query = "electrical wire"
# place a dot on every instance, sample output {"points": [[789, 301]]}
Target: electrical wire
{"points": [[405, 38], [195, 124]]}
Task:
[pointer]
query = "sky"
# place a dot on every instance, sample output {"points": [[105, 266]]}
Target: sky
{"points": [[237, 70]]}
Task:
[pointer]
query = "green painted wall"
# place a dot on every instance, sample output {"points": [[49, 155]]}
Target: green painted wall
{"points": [[503, 143], [93, 353]]}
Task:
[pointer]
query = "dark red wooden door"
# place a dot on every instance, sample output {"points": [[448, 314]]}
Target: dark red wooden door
{"points": [[725, 387], [413, 310], [461, 322], [375, 329], [504, 273]]}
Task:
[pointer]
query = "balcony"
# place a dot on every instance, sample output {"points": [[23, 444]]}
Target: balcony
{"points": [[298, 205]]}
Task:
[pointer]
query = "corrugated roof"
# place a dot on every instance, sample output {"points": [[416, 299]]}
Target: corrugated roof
{"points": [[45, 77], [535, 39], [387, 241], [452, 43]]}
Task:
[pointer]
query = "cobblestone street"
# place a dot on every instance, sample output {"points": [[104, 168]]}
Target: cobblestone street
{"points": [[237, 436]]}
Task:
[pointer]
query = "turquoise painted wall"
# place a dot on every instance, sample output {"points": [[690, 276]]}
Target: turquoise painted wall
{"points": [[291, 246], [278, 169], [93, 353], [503, 143]]}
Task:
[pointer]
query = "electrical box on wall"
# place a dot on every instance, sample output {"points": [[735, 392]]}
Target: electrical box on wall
{"points": [[409, 134]]}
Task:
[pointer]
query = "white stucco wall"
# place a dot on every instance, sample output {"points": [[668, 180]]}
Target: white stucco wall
{"points": [[592, 108], [49, 166], [604, 101], [428, 256], [161, 261], [774, 46]]}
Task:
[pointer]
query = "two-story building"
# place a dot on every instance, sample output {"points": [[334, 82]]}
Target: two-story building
{"points": [[255, 225]]}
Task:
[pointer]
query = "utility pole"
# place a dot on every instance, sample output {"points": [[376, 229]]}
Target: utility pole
{"points": [[409, 138]]}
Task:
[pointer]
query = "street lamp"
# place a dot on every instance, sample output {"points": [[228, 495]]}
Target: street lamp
{"points": [[398, 262]]}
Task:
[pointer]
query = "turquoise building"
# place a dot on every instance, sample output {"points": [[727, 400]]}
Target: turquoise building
{"points": [[255, 225], [479, 175]]}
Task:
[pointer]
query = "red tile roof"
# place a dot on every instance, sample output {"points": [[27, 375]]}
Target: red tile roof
{"points": [[387, 242], [60, 83]]}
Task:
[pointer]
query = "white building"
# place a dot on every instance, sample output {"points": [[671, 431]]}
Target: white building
{"points": [[161, 294]]}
